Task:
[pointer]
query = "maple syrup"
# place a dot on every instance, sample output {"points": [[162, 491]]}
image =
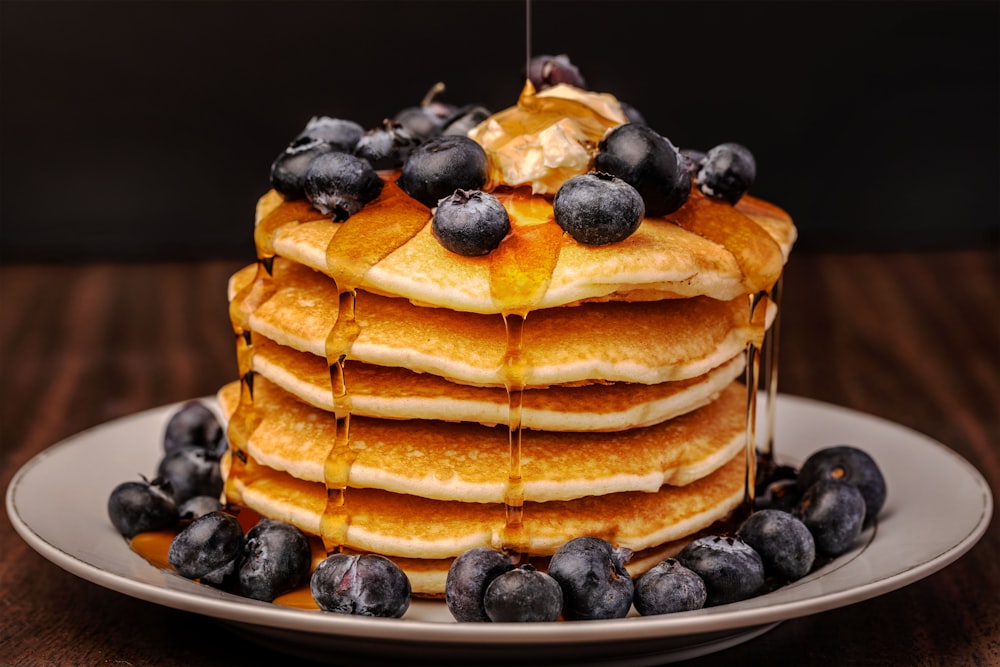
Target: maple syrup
{"points": [[361, 242], [521, 269]]}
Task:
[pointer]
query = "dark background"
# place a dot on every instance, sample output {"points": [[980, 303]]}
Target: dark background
{"points": [[139, 130]]}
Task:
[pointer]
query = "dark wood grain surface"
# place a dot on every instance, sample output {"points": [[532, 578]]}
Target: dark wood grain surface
{"points": [[913, 338]]}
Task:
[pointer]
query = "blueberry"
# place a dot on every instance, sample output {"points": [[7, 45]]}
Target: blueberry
{"points": [[730, 568], [783, 494], [386, 147], [464, 119], [669, 587], [648, 162], [438, 167], [276, 559], [470, 223], [849, 464], [727, 172], [342, 135], [207, 545], [597, 208], [288, 171], [593, 578], [523, 595], [192, 508], [137, 507], [339, 184], [194, 425], [424, 121], [468, 577], [783, 542], [834, 512], [546, 71], [191, 471], [365, 585]]}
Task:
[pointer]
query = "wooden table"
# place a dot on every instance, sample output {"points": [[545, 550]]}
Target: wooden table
{"points": [[913, 338]]}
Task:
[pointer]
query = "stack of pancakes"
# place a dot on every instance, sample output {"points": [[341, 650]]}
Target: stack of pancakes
{"points": [[400, 437]]}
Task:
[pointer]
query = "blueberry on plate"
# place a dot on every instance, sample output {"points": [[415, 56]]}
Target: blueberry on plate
{"points": [[209, 545], [727, 172], [730, 568], [276, 559], [139, 506], [191, 471], [784, 543], [834, 512], [340, 184], [468, 578], [288, 171], [648, 162], [470, 223], [463, 120], [598, 209], [523, 595], [593, 579], [438, 167], [194, 425], [363, 585], [342, 135], [848, 464], [669, 587], [783, 494]]}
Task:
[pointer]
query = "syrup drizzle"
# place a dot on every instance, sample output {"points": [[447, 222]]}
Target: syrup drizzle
{"points": [[520, 272], [361, 242], [245, 419]]}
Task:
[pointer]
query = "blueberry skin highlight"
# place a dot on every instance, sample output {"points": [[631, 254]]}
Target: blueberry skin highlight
{"points": [[523, 595], [339, 185], [598, 209], [276, 559], [470, 223], [783, 542], [834, 512], [468, 577], [730, 568], [669, 587], [206, 545], [649, 163], [365, 585], [438, 167], [593, 579], [136, 507], [849, 464]]}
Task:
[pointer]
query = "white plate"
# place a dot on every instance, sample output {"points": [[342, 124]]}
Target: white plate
{"points": [[938, 507]]}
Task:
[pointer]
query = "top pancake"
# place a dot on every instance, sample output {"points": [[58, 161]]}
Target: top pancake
{"points": [[706, 248]]}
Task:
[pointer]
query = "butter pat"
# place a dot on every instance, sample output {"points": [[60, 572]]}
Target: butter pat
{"points": [[548, 137]]}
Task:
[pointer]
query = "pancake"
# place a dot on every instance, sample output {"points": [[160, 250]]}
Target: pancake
{"points": [[397, 393], [468, 462], [407, 526], [641, 342], [663, 259]]}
